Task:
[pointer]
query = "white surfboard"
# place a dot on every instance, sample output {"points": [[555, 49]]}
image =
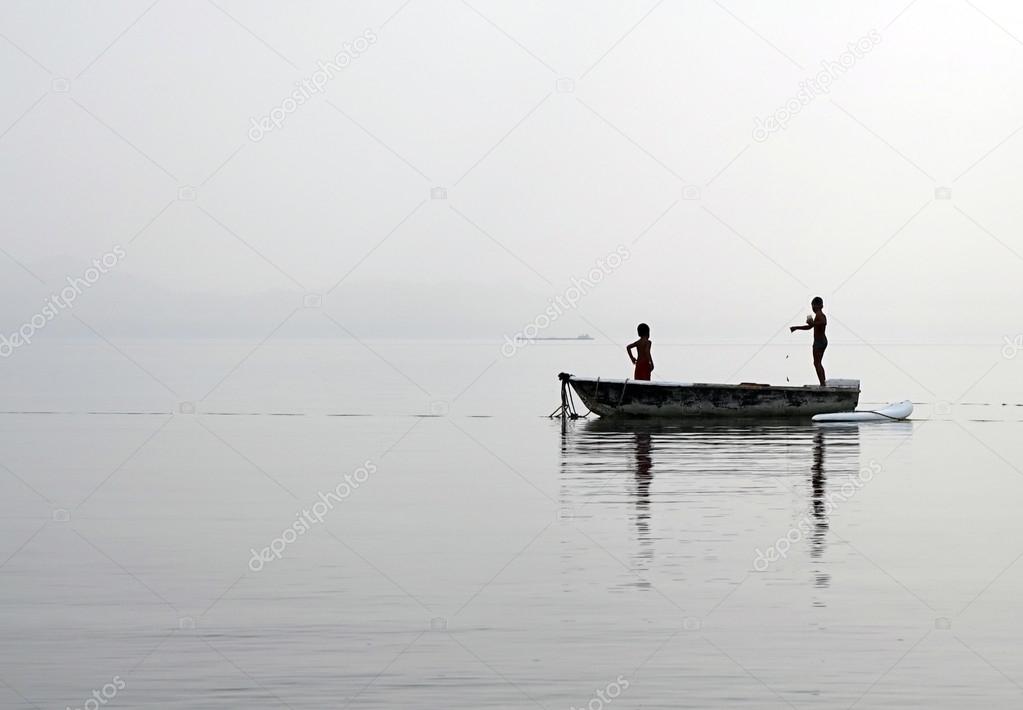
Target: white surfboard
{"points": [[896, 412]]}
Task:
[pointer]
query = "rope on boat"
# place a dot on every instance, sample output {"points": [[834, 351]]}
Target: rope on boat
{"points": [[571, 399], [624, 385], [567, 408]]}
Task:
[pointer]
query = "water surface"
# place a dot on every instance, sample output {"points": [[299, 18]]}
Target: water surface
{"points": [[483, 556]]}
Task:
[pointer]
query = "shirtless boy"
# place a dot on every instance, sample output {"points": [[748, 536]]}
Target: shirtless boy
{"points": [[642, 360], [817, 323]]}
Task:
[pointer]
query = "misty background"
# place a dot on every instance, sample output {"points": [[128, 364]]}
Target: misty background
{"points": [[556, 133]]}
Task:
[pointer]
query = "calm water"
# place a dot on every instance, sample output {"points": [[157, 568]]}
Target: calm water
{"points": [[473, 555]]}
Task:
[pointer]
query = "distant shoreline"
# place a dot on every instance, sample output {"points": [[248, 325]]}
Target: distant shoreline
{"points": [[577, 337]]}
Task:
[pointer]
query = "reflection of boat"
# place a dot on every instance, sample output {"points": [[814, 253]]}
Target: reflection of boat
{"points": [[683, 399]]}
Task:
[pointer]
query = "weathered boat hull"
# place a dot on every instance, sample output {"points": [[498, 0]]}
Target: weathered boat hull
{"points": [[633, 398]]}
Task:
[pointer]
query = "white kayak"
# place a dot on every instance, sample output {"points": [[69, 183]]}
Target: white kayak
{"points": [[897, 411]]}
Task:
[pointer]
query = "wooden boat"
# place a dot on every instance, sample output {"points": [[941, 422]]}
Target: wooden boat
{"points": [[637, 398]]}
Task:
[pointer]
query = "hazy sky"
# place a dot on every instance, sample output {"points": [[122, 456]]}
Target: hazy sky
{"points": [[560, 132]]}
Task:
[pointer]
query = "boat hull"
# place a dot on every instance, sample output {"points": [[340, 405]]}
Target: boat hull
{"points": [[632, 398]]}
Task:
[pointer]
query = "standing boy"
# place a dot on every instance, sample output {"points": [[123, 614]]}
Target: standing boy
{"points": [[642, 360], [817, 323]]}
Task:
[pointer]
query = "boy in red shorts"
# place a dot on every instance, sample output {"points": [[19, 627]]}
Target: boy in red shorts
{"points": [[642, 360]]}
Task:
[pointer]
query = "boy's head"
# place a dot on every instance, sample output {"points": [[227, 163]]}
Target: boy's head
{"points": [[817, 303], [644, 330]]}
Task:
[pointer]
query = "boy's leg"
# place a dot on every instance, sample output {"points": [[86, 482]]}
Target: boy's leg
{"points": [[818, 355]]}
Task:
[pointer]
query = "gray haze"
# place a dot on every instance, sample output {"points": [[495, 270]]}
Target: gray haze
{"points": [[560, 131]]}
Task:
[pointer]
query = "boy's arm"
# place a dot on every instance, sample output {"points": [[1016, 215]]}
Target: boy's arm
{"points": [[794, 328], [628, 349]]}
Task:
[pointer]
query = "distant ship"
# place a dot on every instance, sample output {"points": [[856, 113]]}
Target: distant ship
{"points": [[584, 336]]}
